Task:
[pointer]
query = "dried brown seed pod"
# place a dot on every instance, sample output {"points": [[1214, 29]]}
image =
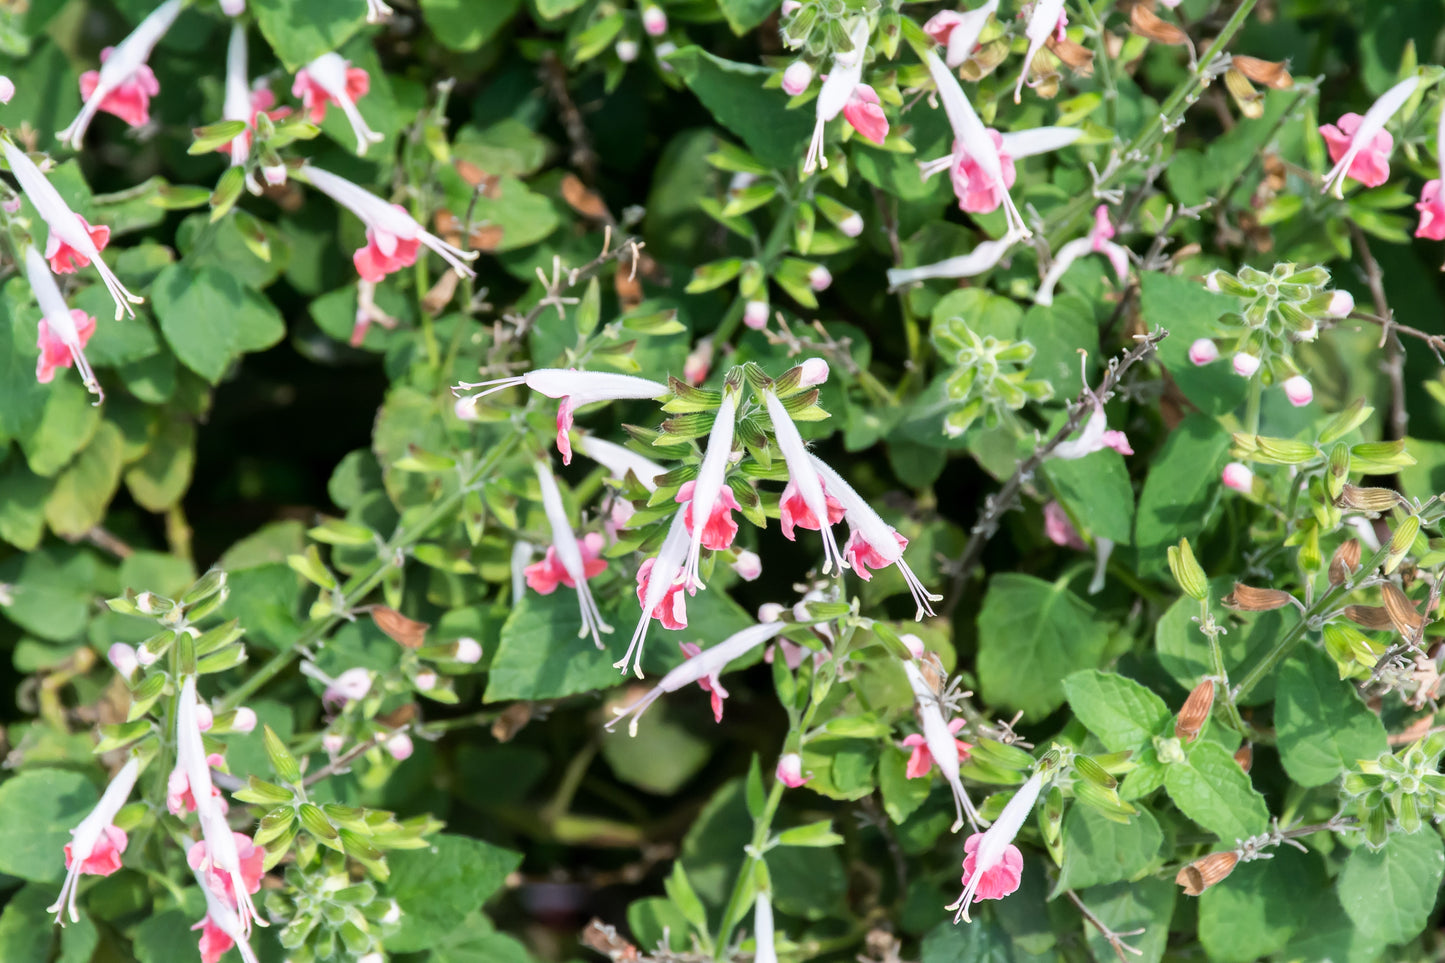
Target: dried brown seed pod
{"points": [[1195, 711], [1146, 23], [1247, 598], [1345, 562], [1271, 73], [1405, 618], [1206, 871], [1369, 616], [1244, 756]]}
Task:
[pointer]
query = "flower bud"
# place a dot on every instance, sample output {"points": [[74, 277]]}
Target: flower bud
{"points": [[790, 7], [1206, 871], [332, 742], [400, 747], [274, 174], [1245, 364], [233, 8], [425, 680], [145, 656], [1211, 281], [12, 206], [1341, 304], [914, 644], [797, 77], [124, 658], [698, 363], [150, 603], [664, 50], [747, 565], [852, 225], [466, 408], [654, 21], [790, 770], [468, 651], [626, 50], [1195, 712], [819, 278], [815, 372], [244, 721], [205, 718], [1246, 598], [7, 90], [1238, 477], [1203, 351], [1186, 570], [755, 315], [770, 612], [1299, 391]]}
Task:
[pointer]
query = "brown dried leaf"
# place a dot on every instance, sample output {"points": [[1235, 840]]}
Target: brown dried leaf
{"points": [[485, 237], [513, 720], [1406, 619], [1195, 712], [1246, 598], [1345, 562], [1206, 871], [582, 199], [1076, 57], [1271, 73], [1372, 617], [491, 187], [1146, 23], [406, 632]]}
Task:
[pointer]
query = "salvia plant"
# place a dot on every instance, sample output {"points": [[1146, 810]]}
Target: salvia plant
{"points": [[732, 480]]}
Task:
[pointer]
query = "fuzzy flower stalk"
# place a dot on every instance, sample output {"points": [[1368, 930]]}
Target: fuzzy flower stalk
{"points": [[569, 554], [124, 84], [72, 243], [938, 737], [63, 331], [96, 844], [993, 867], [1360, 146], [704, 666]]}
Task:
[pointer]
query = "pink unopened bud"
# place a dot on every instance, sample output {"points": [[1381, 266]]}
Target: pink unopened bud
{"points": [[7, 90], [815, 372], [626, 50], [123, 657], [332, 742], [790, 7], [1245, 364], [1299, 391], [12, 205], [233, 8], [797, 77], [770, 612], [244, 720], [426, 680], [468, 650], [913, 643], [205, 718], [400, 747], [790, 770], [1341, 304], [274, 174], [654, 21], [748, 565], [755, 315], [1203, 352], [852, 225], [1239, 477], [698, 363], [819, 278]]}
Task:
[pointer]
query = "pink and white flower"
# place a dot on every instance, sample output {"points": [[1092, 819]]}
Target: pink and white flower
{"points": [[1060, 530], [719, 530], [978, 191], [1432, 211], [72, 243], [993, 867], [920, 761], [660, 591], [568, 558], [620, 461], [808, 504], [789, 770], [704, 665], [124, 84], [1096, 436], [544, 576], [958, 31], [1098, 241], [797, 77], [793, 511], [939, 742], [244, 103], [747, 564], [1237, 476], [841, 94], [1203, 351], [1360, 146], [96, 844], [124, 659], [63, 332], [985, 256], [330, 79], [575, 388], [864, 111], [711, 480], [1046, 18], [179, 798], [1299, 391], [252, 860], [654, 20], [221, 928]]}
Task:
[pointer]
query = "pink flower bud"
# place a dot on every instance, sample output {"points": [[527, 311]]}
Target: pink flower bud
{"points": [[797, 77], [426, 680], [1239, 477], [468, 650], [1341, 304], [698, 363], [1211, 282], [205, 718], [654, 21], [819, 278], [244, 721], [1299, 391], [790, 770], [274, 174], [770, 612], [626, 50], [400, 747], [1245, 364], [790, 7], [332, 742], [12, 206], [1203, 352], [233, 8], [914, 644], [7, 90], [852, 225], [748, 565], [755, 315], [123, 657], [815, 372]]}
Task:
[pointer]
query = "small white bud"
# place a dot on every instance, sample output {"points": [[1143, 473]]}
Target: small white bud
{"points": [[1203, 351], [797, 77], [244, 720], [1299, 391], [626, 50], [654, 21], [815, 372], [914, 645], [468, 650], [1341, 304], [1245, 364], [400, 747], [426, 680], [770, 612], [747, 565], [819, 278], [1239, 477], [755, 315]]}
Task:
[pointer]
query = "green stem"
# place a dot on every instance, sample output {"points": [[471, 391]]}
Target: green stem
{"points": [[1216, 656], [1101, 61], [1251, 406], [369, 576], [772, 248]]}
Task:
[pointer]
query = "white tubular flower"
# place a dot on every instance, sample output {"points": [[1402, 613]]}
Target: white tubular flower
{"points": [[123, 63], [96, 844], [522, 551], [708, 662], [63, 332], [984, 256], [329, 74], [237, 103], [619, 461], [569, 553], [970, 132], [764, 950], [658, 582], [389, 228], [959, 31], [377, 11], [1364, 135], [941, 744], [873, 543], [1043, 21], [72, 242], [711, 476], [802, 474], [996, 842], [842, 80]]}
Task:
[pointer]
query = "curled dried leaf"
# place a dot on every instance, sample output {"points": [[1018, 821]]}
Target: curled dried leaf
{"points": [[512, 720], [583, 199], [1372, 617], [1247, 598], [1147, 24], [1405, 618], [1195, 711], [1355, 498], [1345, 562], [485, 237], [1206, 871], [1076, 57], [406, 632], [1244, 757], [1271, 73], [441, 293]]}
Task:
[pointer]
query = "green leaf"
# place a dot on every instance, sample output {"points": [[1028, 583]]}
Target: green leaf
{"points": [[83, 491], [1256, 909], [1389, 894], [195, 310], [1099, 850], [1058, 332], [38, 809], [1180, 489], [28, 932], [464, 25], [523, 216], [1190, 311], [22, 398], [436, 887], [842, 768], [540, 655], [1323, 726], [1211, 789], [299, 33], [734, 93], [1097, 491], [819, 833], [744, 15], [1032, 634], [1123, 907], [983, 941], [66, 426], [50, 592], [22, 510], [161, 476], [901, 796], [661, 758], [1120, 711]]}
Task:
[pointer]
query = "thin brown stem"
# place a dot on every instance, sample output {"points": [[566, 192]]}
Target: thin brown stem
{"points": [[1121, 949], [1394, 366]]}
